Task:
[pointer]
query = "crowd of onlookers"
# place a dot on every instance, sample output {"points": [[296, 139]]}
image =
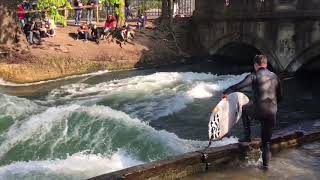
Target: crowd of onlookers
{"points": [[78, 6], [37, 25], [109, 31]]}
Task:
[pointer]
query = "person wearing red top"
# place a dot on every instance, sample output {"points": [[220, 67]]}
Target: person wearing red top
{"points": [[21, 14], [110, 24]]}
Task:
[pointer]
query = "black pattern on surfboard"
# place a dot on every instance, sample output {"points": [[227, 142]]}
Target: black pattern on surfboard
{"points": [[215, 127]]}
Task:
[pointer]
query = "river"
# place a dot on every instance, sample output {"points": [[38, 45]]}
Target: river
{"points": [[83, 126]]}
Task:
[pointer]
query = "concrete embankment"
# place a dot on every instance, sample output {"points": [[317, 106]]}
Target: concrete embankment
{"points": [[56, 68], [197, 162]]}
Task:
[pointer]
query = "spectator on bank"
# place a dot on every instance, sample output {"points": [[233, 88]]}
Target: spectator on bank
{"points": [[21, 15], [43, 29], [127, 32], [51, 28], [127, 9], [27, 29], [107, 7], [93, 4], [27, 7], [36, 31], [78, 10], [110, 24], [31, 30], [141, 21], [96, 33], [36, 14], [83, 32]]}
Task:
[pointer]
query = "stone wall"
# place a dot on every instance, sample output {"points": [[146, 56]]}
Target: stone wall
{"points": [[282, 29]]}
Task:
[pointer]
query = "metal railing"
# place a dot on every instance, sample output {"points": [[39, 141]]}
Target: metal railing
{"points": [[151, 8], [183, 8]]}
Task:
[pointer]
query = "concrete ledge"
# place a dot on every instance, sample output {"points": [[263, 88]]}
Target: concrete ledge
{"points": [[194, 162]]}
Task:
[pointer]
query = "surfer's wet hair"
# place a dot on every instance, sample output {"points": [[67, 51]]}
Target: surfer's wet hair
{"points": [[260, 59]]}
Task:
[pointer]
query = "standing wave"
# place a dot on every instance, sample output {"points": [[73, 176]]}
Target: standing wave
{"points": [[45, 141]]}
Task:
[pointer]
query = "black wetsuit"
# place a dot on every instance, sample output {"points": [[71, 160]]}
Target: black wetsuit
{"points": [[267, 93]]}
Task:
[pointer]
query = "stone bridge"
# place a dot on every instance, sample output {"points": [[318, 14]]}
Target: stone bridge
{"points": [[287, 31]]}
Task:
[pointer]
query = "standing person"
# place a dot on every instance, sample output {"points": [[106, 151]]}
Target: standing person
{"points": [[93, 4], [127, 9], [140, 21], [266, 94], [21, 15], [27, 7], [78, 10], [107, 7]]}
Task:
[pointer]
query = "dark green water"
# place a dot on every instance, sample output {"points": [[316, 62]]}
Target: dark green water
{"points": [[80, 127]]}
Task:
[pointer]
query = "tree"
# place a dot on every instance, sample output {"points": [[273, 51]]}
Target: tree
{"points": [[167, 13], [119, 6], [51, 7], [10, 31]]}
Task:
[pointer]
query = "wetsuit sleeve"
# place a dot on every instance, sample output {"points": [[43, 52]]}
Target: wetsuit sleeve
{"points": [[247, 82], [279, 91]]}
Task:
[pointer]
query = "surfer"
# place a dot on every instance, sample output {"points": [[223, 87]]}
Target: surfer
{"points": [[267, 93]]}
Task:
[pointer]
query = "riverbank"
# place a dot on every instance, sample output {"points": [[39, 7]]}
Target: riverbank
{"points": [[62, 56]]}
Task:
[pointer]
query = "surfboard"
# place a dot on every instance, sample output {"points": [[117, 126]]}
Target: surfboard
{"points": [[225, 115]]}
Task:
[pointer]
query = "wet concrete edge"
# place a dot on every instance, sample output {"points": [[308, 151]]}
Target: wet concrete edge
{"points": [[196, 162]]}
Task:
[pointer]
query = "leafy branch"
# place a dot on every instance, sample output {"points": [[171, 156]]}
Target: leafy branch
{"points": [[51, 6]]}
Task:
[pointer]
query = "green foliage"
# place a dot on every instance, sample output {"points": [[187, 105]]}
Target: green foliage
{"points": [[117, 4], [149, 4], [110, 2], [51, 6]]}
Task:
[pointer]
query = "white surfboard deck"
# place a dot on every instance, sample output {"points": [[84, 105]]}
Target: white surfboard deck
{"points": [[226, 114]]}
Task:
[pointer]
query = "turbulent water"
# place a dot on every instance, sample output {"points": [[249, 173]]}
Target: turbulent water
{"points": [[80, 127], [86, 128]]}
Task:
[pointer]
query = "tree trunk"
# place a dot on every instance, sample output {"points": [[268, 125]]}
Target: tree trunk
{"points": [[11, 34], [170, 12], [164, 9], [121, 16], [167, 14]]}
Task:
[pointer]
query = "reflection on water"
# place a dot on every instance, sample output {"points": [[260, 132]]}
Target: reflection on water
{"points": [[300, 163]]}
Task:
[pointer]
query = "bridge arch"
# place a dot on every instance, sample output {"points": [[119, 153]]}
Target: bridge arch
{"points": [[247, 40], [304, 57]]}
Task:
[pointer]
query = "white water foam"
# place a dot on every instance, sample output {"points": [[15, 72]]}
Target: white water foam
{"points": [[80, 165], [76, 166], [17, 107], [142, 84], [37, 126], [206, 89], [34, 127], [153, 96], [5, 83]]}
